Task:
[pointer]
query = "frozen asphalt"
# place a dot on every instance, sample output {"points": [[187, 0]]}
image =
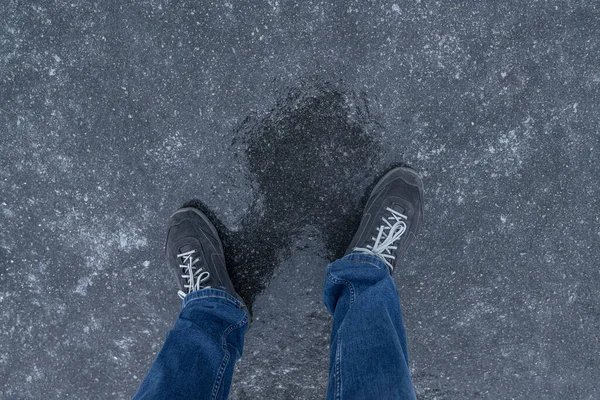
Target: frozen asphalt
{"points": [[278, 116]]}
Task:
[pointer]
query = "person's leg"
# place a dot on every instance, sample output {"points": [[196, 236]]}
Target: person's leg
{"points": [[200, 352], [368, 352], [368, 356]]}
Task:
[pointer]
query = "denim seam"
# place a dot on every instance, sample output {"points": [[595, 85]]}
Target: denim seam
{"points": [[365, 258], [369, 262], [346, 283], [217, 385], [227, 355], [338, 356], [211, 293], [338, 366]]}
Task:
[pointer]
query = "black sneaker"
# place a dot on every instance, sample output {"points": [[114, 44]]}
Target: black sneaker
{"points": [[392, 218], [195, 253]]}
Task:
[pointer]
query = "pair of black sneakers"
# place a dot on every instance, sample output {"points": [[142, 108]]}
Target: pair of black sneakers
{"points": [[391, 220]]}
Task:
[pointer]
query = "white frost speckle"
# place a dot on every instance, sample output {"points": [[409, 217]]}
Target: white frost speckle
{"points": [[274, 5], [396, 8], [131, 240], [7, 212], [146, 263], [100, 241], [82, 285], [52, 72], [503, 219], [426, 155]]}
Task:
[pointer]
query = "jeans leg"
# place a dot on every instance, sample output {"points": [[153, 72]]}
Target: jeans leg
{"points": [[197, 359], [368, 356]]}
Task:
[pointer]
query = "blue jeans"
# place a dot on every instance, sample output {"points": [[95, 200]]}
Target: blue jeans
{"points": [[368, 356]]}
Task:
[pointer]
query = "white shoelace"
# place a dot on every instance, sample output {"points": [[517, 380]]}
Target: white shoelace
{"points": [[193, 276], [387, 235]]}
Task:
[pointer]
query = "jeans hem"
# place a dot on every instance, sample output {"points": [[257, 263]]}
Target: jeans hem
{"points": [[366, 258], [214, 293]]}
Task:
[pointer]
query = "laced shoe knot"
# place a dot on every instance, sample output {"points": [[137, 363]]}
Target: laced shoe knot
{"points": [[191, 274], [388, 233]]}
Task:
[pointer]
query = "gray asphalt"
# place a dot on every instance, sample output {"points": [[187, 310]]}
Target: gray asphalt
{"points": [[278, 117]]}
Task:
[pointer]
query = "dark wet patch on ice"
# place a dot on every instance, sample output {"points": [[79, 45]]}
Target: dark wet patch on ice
{"points": [[312, 160]]}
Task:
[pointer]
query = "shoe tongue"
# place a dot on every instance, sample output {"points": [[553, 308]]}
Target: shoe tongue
{"points": [[399, 208], [185, 248]]}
